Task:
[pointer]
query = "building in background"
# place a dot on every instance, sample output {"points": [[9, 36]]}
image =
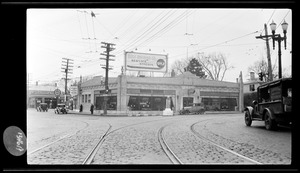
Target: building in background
{"points": [[131, 95], [250, 89], [43, 94], [251, 85]]}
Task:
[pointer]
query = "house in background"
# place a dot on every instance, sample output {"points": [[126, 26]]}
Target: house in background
{"points": [[251, 85]]}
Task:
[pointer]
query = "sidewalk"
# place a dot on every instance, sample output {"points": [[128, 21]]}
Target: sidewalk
{"points": [[223, 112], [76, 111]]}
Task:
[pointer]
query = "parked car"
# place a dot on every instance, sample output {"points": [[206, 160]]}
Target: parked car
{"points": [[274, 104], [61, 108], [42, 107], [196, 108]]}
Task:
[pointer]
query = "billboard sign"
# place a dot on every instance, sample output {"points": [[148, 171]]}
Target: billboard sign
{"points": [[146, 62]]}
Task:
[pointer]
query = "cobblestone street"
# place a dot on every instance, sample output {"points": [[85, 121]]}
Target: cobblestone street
{"points": [[194, 139]]}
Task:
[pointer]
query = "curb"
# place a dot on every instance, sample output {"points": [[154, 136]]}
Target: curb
{"points": [[146, 115]]}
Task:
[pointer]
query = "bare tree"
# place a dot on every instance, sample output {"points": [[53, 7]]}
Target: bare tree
{"points": [[262, 66], [215, 65], [179, 65]]}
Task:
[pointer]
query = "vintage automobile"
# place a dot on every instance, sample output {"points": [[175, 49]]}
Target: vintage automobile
{"points": [[43, 107], [273, 104], [196, 108], [61, 108]]}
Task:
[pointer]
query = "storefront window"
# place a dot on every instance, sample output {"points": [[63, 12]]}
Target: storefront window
{"points": [[111, 103], [98, 103], [219, 104], [133, 103], [146, 103], [188, 101], [159, 103]]}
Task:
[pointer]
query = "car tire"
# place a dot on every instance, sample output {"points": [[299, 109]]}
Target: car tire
{"points": [[270, 123], [248, 119]]}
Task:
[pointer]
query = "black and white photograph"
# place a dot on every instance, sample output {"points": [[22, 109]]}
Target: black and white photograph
{"points": [[157, 86]]}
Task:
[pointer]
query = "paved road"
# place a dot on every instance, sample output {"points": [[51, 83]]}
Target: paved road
{"points": [[134, 140]]}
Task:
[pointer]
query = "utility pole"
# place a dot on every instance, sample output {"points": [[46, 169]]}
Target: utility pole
{"points": [[109, 48], [67, 69], [268, 53], [268, 56]]}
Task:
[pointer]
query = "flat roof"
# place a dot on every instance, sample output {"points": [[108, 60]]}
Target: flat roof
{"points": [[186, 78]]}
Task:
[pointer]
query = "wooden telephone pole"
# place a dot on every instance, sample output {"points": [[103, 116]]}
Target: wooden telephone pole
{"points": [[266, 37], [67, 69], [109, 48]]}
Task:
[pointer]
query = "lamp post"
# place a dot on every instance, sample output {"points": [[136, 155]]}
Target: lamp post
{"points": [[278, 38]]}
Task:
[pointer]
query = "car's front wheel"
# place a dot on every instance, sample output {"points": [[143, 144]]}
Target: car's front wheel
{"points": [[248, 119]]}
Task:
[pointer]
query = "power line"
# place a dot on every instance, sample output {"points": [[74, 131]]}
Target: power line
{"points": [[79, 24], [149, 30], [214, 45], [121, 25], [268, 21], [283, 18], [173, 23]]}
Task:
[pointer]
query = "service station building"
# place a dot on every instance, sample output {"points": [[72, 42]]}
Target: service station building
{"points": [[147, 95]]}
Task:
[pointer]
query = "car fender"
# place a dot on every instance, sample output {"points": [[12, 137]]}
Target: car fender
{"points": [[250, 109], [270, 112]]}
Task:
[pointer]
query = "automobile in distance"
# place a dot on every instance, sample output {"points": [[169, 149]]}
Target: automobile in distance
{"points": [[42, 107], [273, 104], [195, 108], [61, 108]]}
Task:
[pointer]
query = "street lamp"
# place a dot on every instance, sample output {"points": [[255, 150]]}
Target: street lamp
{"points": [[278, 38]]}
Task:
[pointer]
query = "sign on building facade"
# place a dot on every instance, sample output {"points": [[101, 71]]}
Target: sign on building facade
{"points": [[73, 90], [146, 62]]}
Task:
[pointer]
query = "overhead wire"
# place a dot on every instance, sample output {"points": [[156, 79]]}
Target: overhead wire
{"points": [[153, 27], [268, 21], [283, 18], [94, 33], [79, 24], [130, 29], [87, 29], [121, 25], [214, 34], [137, 33], [214, 45], [169, 26], [149, 30]]}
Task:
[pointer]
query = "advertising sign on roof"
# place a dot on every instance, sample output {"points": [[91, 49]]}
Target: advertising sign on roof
{"points": [[146, 62]]}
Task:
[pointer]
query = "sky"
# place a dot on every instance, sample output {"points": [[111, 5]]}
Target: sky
{"points": [[53, 34]]}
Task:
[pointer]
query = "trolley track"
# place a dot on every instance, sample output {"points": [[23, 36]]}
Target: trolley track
{"points": [[90, 158], [170, 154], [206, 140], [61, 138]]}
